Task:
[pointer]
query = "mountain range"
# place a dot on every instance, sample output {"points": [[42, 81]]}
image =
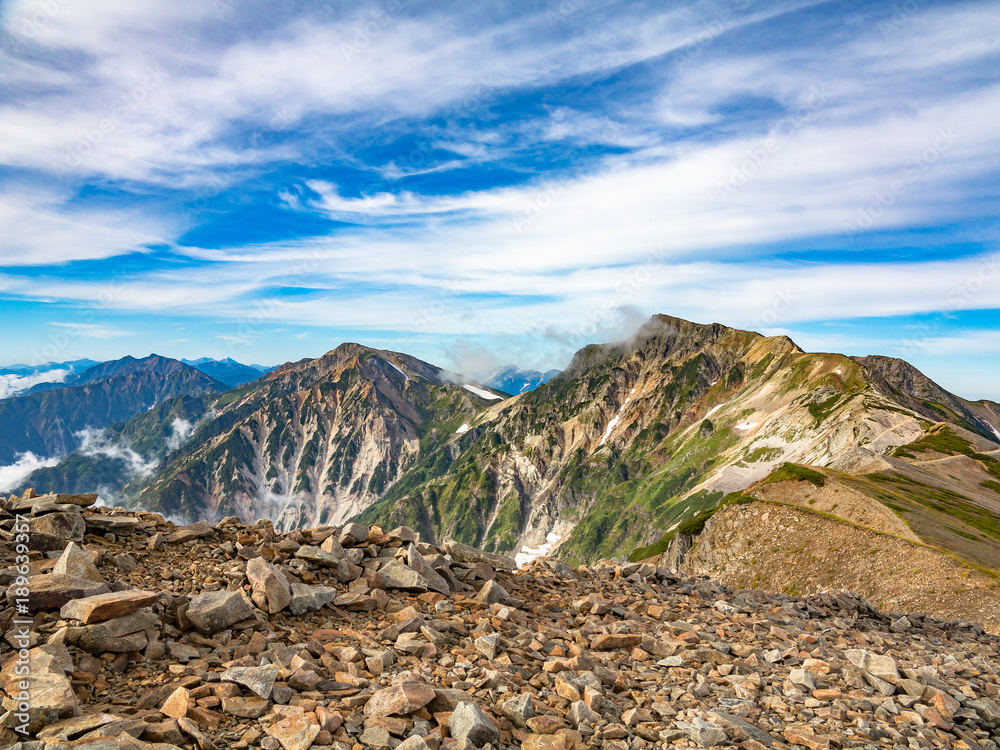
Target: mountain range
{"points": [[512, 379], [623, 453]]}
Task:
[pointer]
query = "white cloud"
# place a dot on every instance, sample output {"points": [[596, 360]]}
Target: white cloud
{"points": [[11, 385], [96, 443], [25, 463], [181, 430], [92, 330]]}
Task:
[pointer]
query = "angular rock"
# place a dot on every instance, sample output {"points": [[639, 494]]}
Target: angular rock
{"points": [[399, 700], [492, 593], [353, 534], [294, 732], [120, 635], [53, 591], [469, 722], [197, 530], [67, 526], [102, 524], [306, 598], [107, 606], [246, 707], [213, 611], [271, 591], [518, 710], [259, 680], [465, 554], [434, 581], [177, 704], [399, 576], [76, 563]]}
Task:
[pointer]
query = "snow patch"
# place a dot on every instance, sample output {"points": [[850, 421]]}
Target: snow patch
{"points": [[714, 409], [463, 429], [527, 554], [24, 463], [746, 425], [394, 367], [616, 418], [994, 429], [481, 393], [838, 372]]}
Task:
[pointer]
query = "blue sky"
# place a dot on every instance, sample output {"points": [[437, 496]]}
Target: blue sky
{"points": [[482, 183]]}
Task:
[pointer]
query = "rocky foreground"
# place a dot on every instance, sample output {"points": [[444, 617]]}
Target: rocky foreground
{"points": [[140, 634]]}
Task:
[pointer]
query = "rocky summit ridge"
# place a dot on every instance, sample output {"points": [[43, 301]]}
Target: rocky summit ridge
{"points": [[138, 634]]}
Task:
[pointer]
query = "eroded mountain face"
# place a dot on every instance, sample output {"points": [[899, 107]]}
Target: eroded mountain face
{"points": [[313, 442], [635, 437], [629, 441]]}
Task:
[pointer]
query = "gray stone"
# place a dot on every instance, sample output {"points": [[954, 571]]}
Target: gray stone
{"points": [[492, 593], [306, 598], [395, 575], [464, 554], [271, 591], [469, 722], [260, 680], [77, 563], [50, 692], [487, 645], [68, 526], [435, 582], [518, 710], [354, 534], [217, 610], [704, 734]]}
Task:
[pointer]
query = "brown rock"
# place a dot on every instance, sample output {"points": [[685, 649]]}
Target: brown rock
{"points": [[107, 606]]}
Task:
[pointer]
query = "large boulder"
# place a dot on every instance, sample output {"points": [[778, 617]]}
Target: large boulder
{"points": [[399, 700], [67, 526], [53, 591], [106, 606], [464, 554], [469, 722], [271, 591], [259, 680], [418, 563], [306, 598], [45, 688], [217, 610], [120, 635]]}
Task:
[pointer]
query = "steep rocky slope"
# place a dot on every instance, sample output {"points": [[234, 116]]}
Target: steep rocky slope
{"points": [[315, 441], [146, 636], [611, 456], [634, 438]]}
